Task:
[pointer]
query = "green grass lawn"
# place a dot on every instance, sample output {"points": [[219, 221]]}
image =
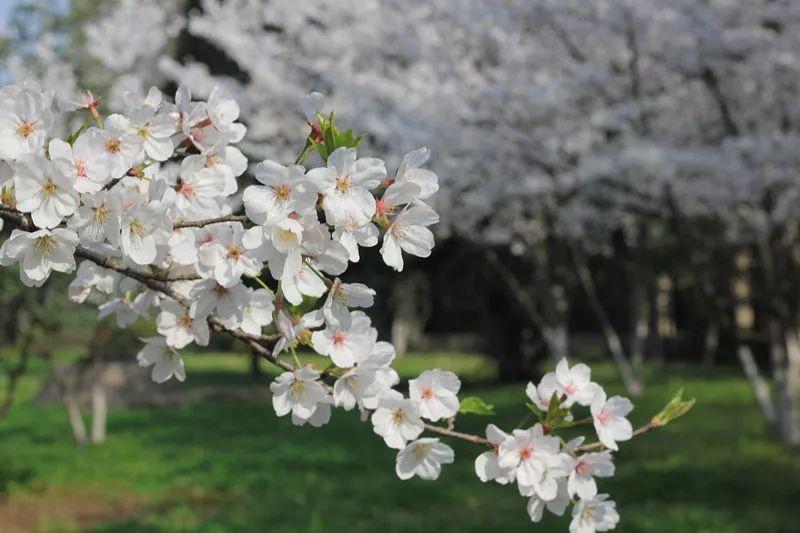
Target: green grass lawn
{"points": [[237, 467]]}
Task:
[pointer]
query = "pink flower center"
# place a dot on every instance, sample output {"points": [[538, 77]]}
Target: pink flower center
{"points": [[603, 417], [582, 467], [427, 393], [220, 291], [26, 129], [339, 338], [526, 452], [113, 146], [80, 168], [185, 321], [570, 389], [343, 184], [187, 189], [383, 208]]}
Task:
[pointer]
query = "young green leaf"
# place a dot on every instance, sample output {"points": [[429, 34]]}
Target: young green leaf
{"points": [[476, 406], [676, 408]]}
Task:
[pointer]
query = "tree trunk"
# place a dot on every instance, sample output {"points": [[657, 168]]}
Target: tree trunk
{"points": [[556, 338], [710, 343], [757, 383], [632, 382], [410, 311], [640, 325], [99, 412], [255, 364], [786, 361], [76, 423]]}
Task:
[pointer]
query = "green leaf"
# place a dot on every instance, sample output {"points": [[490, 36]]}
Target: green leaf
{"points": [[676, 408], [476, 406], [541, 415]]}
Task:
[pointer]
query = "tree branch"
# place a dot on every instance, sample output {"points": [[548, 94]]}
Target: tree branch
{"points": [[209, 221], [597, 445]]}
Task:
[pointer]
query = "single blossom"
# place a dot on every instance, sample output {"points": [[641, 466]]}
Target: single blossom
{"points": [[535, 458], [408, 233], [178, 327], [409, 171], [258, 311], [436, 393], [346, 346], [487, 466], [423, 458], [542, 395], [166, 362], [298, 392], [285, 190], [583, 470], [39, 253], [557, 505], [345, 185], [598, 514], [343, 296], [397, 420], [85, 163], [575, 383], [609, 419], [42, 190], [25, 119]]}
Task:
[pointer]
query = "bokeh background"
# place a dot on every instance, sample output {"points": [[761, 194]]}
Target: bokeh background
{"points": [[619, 183]]}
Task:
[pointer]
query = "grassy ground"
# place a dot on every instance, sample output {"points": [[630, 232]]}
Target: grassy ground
{"points": [[236, 467]]}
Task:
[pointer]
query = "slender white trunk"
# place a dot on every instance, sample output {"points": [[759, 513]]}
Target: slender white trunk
{"points": [[632, 382], [757, 383], [76, 423], [99, 413]]}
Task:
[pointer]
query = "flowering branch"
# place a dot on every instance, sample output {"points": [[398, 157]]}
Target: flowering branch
{"points": [[79, 199]]}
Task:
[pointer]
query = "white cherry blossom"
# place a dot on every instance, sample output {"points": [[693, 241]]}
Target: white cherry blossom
{"points": [[423, 458], [258, 311], [609, 419], [343, 296], [436, 393], [598, 514], [166, 362], [408, 233], [346, 183], [575, 383], [396, 419], [85, 163], [178, 327], [39, 253], [583, 470], [487, 466], [346, 346], [42, 190], [285, 190], [25, 119], [298, 392]]}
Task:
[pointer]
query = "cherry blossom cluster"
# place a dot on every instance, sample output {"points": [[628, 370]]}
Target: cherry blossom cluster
{"points": [[552, 472], [148, 199]]}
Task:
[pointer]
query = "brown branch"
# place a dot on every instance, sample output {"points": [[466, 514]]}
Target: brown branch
{"points": [[208, 221], [153, 282], [458, 435], [597, 445]]}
